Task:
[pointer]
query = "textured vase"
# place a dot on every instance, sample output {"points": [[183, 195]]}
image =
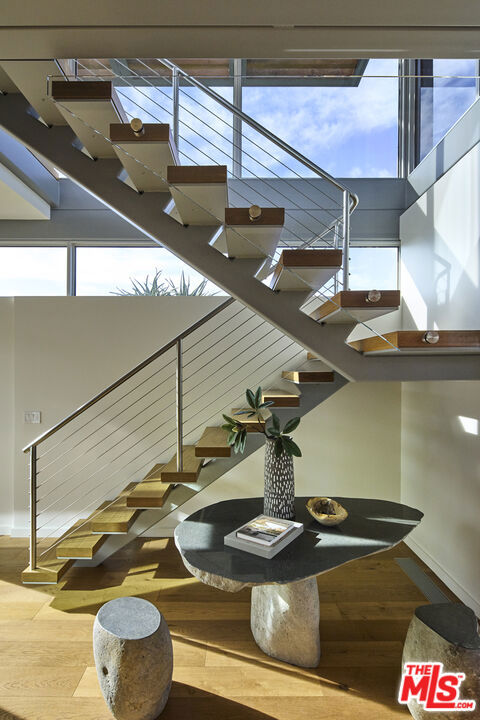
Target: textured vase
{"points": [[279, 491]]}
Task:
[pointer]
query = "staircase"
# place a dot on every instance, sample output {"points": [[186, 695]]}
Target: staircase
{"points": [[140, 171], [127, 459], [287, 269]]}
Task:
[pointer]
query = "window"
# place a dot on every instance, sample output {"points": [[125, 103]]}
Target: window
{"points": [[109, 271], [447, 88], [33, 271], [373, 268], [350, 131], [205, 128]]}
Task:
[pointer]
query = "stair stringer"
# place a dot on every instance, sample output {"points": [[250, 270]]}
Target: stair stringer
{"points": [[312, 396], [145, 212]]}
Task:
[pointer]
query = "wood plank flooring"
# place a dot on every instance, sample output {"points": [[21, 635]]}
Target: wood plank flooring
{"points": [[46, 660]]}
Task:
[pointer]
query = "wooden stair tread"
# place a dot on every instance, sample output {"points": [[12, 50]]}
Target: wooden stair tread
{"points": [[189, 174], [152, 132], [213, 443], [252, 423], [356, 305], [450, 341], [80, 543], [281, 398], [151, 492], [308, 376], [49, 571], [298, 269], [310, 258], [117, 517], [191, 467], [240, 216]]}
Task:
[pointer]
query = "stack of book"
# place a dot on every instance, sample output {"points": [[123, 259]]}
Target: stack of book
{"points": [[264, 536]]}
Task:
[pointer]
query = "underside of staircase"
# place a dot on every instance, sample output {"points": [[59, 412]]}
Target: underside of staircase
{"points": [[191, 229]]}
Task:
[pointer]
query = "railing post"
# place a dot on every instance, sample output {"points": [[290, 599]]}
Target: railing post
{"points": [[179, 404], [33, 507], [237, 122], [346, 239], [335, 245], [175, 101]]}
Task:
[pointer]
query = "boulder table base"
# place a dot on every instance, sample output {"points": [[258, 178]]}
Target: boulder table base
{"points": [[285, 621], [133, 657]]}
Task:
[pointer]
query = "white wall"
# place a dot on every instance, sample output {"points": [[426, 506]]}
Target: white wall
{"points": [[441, 477], [64, 350], [6, 414], [350, 446], [440, 460]]}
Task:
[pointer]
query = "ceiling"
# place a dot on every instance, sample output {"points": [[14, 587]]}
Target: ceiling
{"points": [[246, 28]]}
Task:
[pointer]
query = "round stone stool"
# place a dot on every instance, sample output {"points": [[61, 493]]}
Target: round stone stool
{"points": [[446, 633], [134, 658]]}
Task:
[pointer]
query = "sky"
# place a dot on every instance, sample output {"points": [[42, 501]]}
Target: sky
{"points": [[348, 131]]}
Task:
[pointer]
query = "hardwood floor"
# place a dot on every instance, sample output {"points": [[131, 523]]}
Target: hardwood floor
{"points": [[46, 661]]}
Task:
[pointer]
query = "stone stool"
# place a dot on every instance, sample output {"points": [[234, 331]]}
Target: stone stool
{"points": [[134, 658], [446, 633]]}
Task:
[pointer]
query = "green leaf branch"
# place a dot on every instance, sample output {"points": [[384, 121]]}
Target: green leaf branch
{"points": [[237, 431]]}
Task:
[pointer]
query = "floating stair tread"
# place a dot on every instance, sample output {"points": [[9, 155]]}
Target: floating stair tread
{"points": [[80, 543], [412, 342], [89, 108], [271, 216], [151, 492], [50, 570], [191, 467], [354, 306], [281, 398], [252, 423], [213, 443], [196, 174], [117, 517], [308, 376], [297, 269], [145, 157], [310, 258]]}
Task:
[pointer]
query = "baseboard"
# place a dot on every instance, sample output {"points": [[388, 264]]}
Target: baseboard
{"points": [[444, 576], [6, 530]]}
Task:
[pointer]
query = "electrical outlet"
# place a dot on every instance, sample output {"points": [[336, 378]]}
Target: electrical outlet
{"points": [[32, 416]]}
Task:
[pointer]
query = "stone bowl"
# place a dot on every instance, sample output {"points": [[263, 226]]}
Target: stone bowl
{"points": [[320, 508]]}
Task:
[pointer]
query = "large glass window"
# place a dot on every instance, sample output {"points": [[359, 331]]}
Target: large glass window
{"points": [[447, 88], [134, 271], [350, 131], [33, 271], [373, 267], [205, 128]]}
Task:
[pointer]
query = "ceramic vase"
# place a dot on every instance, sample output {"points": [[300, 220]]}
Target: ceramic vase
{"points": [[279, 490]]}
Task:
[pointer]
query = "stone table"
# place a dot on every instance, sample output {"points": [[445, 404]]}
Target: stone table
{"points": [[285, 608]]}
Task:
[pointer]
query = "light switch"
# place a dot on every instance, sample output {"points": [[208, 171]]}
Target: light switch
{"points": [[32, 416]]}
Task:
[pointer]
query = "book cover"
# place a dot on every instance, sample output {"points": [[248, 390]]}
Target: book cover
{"points": [[265, 530], [264, 551]]}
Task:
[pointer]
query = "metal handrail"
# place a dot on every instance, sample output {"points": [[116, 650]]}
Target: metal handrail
{"points": [[168, 346], [263, 131]]}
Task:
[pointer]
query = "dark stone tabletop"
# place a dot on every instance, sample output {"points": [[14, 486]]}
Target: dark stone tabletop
{"points": [[372, 526]]}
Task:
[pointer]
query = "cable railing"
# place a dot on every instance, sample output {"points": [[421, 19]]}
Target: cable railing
{"points": [[336, 227], [80, 465], [208, 131]]}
